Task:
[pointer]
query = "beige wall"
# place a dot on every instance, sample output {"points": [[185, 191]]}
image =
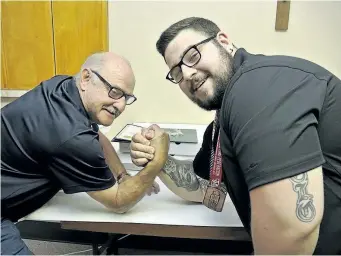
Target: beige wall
{"points": [[134, 27], [5, 101], [314, 33]]}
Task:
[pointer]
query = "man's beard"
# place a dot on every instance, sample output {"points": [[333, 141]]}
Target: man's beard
{"points": [[221, 82]]}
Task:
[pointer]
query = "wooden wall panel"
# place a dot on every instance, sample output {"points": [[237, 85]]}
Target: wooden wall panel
{"points": [[80, 29], [27, 46], [282, 15]]}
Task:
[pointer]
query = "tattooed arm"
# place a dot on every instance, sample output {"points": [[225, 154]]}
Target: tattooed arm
{"points": [[179, 177], [286, 215]]}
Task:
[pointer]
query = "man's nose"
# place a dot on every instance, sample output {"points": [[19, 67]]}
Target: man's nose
{"points": [[187, 72], [120, 103]]}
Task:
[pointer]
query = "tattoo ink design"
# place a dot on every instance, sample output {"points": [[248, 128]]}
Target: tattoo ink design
{"points": [[204, 184], [305, 209], [182, 174]]}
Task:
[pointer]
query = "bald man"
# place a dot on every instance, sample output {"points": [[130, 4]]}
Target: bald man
{"points": [[50, 141]]}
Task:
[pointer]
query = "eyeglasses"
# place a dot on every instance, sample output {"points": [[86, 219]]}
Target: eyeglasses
{"points": [[189, 58], [115, 92]]}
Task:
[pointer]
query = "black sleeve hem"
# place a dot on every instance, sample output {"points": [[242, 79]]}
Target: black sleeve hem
{"points": [[80, 188], [282, 173]]}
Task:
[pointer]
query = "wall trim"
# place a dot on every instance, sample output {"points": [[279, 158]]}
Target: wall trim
{"points": [[12, 93]]}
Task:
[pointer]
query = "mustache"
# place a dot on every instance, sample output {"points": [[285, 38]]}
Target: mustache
{"points": [[195, 81], [113, 110]]}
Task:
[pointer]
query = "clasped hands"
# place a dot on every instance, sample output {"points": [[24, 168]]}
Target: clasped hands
{"points": [[150, 146]]}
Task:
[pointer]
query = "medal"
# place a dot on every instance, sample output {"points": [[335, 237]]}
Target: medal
{"points": [[215, 196], [214, 199]]}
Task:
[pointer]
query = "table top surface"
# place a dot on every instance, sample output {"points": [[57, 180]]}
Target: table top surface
{"points": [[165, 208]]}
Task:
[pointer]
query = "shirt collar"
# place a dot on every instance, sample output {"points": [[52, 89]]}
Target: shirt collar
{"points": [[75, 98], [240, 57]]}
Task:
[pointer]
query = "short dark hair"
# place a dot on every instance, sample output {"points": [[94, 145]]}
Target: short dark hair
{"points": [[201, 25]]}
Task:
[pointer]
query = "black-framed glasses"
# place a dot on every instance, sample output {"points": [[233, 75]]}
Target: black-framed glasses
{"points": [[115, 92], [190, 58]]}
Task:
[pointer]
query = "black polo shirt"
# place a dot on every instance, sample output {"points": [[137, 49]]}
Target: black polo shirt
{"points": [[48, 143], [281, 116]]}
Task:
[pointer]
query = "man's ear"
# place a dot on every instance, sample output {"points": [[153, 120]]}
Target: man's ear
{"points": [[223, 39], [84, 78]]}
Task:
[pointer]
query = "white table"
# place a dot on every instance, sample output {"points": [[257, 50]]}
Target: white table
{"points": [[164, 214]]}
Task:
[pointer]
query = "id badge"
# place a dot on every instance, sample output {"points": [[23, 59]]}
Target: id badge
{"points": [[214, 198]]}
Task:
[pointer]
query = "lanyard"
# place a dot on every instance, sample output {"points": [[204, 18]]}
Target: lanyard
{"points": [[214, 197], [216, 168], [216, 159]]}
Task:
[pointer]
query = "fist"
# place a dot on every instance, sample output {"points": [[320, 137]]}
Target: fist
{"points": [[160, 143], [145, 144], [141, 151]]}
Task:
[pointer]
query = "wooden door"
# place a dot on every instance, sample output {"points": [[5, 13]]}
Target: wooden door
{"points": [[80, 29], [27, 55]]}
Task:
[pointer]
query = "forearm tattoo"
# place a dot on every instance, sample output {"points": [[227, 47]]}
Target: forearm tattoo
{"points": [[204, 183], [305, 209], [182, 173]]}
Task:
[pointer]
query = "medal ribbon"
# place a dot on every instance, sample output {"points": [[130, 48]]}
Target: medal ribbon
{"points": [[216, 159]]}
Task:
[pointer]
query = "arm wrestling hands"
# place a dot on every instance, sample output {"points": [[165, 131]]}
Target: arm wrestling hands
{"points": [[141, 150], [149, 133], [177, 175]]}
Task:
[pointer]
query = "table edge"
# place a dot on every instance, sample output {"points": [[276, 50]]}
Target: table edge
{"points": [[163, 230]]}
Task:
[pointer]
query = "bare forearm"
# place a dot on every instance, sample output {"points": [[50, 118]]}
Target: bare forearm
{"points": [[111, 156], [129, 190], [133, 188]]}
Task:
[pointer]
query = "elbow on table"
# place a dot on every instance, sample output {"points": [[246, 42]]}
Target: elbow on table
{"points": [[110, 199], [119, 208], [192, 196]]}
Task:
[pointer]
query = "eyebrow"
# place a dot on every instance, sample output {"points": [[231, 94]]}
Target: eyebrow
{"points": [[114, 86], [183, 54]]}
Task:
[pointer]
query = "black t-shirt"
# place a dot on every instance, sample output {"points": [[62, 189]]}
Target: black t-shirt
{"points": [[48, 143], [281, 116]]}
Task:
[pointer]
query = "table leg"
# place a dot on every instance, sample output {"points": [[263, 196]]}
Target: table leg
{"points": [[95, 249], [111, 246], [112, 249]]}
